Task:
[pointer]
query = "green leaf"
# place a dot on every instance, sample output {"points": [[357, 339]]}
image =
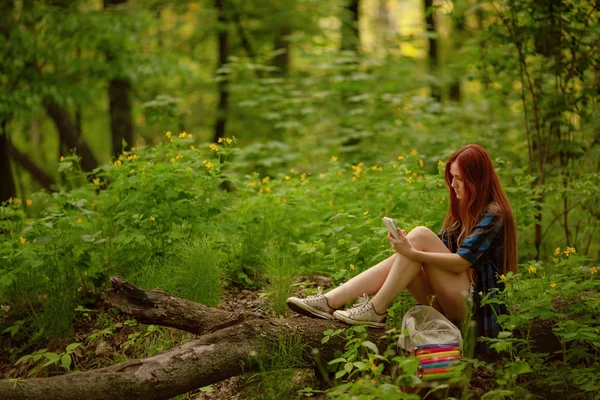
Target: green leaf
{"points": [[65, 361], [371, 346], [340, 373], [73, 346]]}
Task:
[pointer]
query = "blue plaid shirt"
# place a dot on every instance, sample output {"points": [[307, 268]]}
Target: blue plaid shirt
{"points": [[484, 249]]}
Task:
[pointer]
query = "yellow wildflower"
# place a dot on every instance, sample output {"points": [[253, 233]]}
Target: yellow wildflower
{"points": [[440, 163], [283, 200], [414, 152], [178, 156], [569, 251], [152, 218], [532, 269], [366, 212], [214, 147], [400, 158], [29, 202], [10, 200], [409, 179], [204, 162], [168, 134], [172, 159], [287, 178], [22, 240], [302, 177], [553, 285], [353, 179], [334, 158], [220, 140], [229, 140], [209, 165], [132, 171], [442, 200], [62, 159], [182, 135], [79, 220], [557, 251], [421, 163], [192, 147], [265, 179], [407, 171], [267, 189], [331, 203], [322, 175], [339, 173], [352, 267], [502, 277], [292, 170], [593, 270], [251, 183]]}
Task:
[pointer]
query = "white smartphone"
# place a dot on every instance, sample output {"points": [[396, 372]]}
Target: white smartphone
{"points": [[391, 226]]}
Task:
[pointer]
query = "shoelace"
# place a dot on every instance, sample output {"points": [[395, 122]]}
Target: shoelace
{"points": [[315, 297], [363, 306]]}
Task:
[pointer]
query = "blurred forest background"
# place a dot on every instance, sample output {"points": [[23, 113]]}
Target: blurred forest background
{"points": [[240, 142], [297, 80]]}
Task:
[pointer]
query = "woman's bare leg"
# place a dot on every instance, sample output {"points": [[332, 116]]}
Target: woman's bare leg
{"points": [[450, 289], [429, 284], [369, 282]]}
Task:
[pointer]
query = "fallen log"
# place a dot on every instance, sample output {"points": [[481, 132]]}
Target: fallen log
{"points": [[226, 344]]}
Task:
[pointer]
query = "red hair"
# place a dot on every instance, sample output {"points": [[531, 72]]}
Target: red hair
{"points": [[483, 194]]}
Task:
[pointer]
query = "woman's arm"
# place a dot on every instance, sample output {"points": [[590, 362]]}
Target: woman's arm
{"points": [[449, 261]]}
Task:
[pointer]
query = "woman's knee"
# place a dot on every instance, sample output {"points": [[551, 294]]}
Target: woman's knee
{"points": [[420, 236]]}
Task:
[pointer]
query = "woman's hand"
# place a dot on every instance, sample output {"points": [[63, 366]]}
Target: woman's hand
{"points": [[401, 246]]}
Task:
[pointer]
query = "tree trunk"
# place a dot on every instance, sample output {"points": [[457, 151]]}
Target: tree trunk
{"points": [[225, 348], [7, 188], [430, 22], [222, 78], [121, 124], [36, 172], [68, 134], [281, 46], [350, 27]]}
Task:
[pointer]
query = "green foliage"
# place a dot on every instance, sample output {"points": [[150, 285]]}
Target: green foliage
{"points": [[279, 271], [44, 358], [563, 294]]}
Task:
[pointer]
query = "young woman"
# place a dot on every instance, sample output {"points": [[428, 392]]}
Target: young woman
{"points": [[477, 245]]}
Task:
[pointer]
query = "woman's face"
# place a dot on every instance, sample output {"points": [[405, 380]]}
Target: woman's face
{"points": [[457, 181]]}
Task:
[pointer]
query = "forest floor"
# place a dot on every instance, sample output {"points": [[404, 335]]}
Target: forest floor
{"points": [[109, 337]]}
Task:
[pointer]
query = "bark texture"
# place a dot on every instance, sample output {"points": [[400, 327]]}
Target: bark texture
{"points": [[223, 349]]}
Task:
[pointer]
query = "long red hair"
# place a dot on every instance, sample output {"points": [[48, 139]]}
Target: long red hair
{"points": [[483, 194]]}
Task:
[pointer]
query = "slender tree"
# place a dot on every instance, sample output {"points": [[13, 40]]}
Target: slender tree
{"points": [[222, 78], [119, 89], [431, 25], [350, 28]]}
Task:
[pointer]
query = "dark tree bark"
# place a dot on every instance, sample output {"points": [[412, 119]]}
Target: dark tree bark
{"points": [[430, 22], [36, 172], [7, 188], [458, 35], [119, 89], [223, 350], [222, 78], [68, 134], [121, 124], [281, 45], [350, 27]]}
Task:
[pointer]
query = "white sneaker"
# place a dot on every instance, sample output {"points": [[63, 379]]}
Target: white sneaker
{"points": [[315, 306], [362, 314]]}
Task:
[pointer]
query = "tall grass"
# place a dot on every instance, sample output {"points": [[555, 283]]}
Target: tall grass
{"points": [[192, 271], [279, 268]]}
